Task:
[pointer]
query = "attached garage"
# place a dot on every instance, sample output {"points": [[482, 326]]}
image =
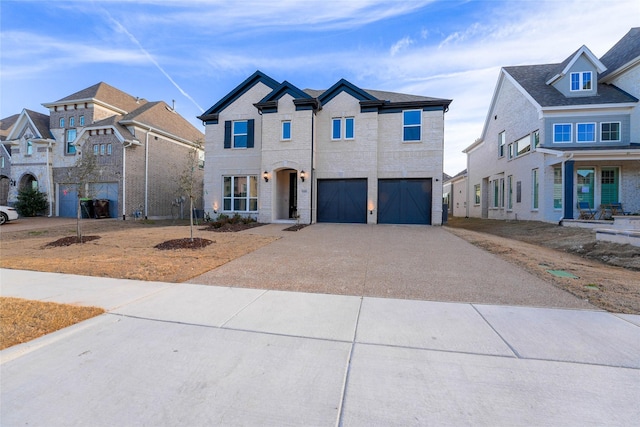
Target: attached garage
{"points": [[68, 197], [404, 201], [342, 200]]}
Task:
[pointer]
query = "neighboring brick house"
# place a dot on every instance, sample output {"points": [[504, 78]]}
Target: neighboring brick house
{"points": [[279, 153], [559, 134], [141, 149]]}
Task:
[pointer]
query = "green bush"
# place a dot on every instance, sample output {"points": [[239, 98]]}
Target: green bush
{"points": [[31, 202]]}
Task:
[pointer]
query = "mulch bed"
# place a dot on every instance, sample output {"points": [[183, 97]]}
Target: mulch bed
{"points": [[186, 243], [68, 241], [296, 227], [229, 227]]}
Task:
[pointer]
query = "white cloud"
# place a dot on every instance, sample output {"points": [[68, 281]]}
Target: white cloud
{"points": [[400, 45]]}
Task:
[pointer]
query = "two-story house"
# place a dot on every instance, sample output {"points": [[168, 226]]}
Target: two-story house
{"points": [[559, 134], [141, 149], [279, 153]]}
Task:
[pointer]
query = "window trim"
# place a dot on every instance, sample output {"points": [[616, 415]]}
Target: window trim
{"points": [[81, 120], [61, 122], [619, 131], [535, 189], [247, 198], [561, 184], [405, 126], [581, 81], [502, 140], [234, 134], [283, 134], [570, 133], [578, 132], [336, 121], [346, 127], [477, 194]]}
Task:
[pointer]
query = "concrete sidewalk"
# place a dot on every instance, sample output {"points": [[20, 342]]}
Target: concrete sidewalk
{"points": [[186, 354]]}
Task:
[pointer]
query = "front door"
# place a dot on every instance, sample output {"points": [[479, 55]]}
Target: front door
{"points": [[585, 182], [293, 194]]}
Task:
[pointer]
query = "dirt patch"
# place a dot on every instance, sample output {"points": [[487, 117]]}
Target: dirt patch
{"points": [[126, 250], [606, 273], [186, 243], [23, 320], [72, 240]]}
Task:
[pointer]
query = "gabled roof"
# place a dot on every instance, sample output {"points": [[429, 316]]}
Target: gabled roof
{"points": [[344, 86], [41, 122], [533, 80], [6, 124], [105, 94], [111, 122], [211, 115], [563, 68], [30, 119], [623, 54], [302, 100], [159, 116]]}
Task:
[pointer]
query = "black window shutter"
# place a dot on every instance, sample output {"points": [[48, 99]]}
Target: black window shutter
{"points": [[250, 127], [227, 134]]}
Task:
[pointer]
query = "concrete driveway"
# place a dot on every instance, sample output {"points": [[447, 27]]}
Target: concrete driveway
{"points": [[193, 355]]}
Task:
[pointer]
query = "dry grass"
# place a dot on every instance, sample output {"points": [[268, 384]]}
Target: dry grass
{"points": [[23, 320]]}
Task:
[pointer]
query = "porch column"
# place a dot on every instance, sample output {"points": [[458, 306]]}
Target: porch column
{"points": [[568, 189]]}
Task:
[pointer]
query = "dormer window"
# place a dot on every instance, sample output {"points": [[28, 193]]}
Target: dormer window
{"points": [[581, 81]]}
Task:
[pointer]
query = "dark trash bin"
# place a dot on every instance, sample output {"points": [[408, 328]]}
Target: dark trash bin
{"points": [[86, 208], [101, 208], [445, 213]]}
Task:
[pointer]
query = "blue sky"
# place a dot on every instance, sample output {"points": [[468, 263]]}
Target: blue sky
{"points": [[195, 52]]}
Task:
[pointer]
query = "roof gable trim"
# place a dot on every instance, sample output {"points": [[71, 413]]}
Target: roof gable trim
{"points": [[584, 50]]}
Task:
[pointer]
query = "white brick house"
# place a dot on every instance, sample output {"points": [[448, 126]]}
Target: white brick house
{"points": [[275, 152], [559, 134]]}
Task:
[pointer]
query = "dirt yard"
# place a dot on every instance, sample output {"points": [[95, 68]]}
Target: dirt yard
{"points": [[606, 274], [124, 249]]}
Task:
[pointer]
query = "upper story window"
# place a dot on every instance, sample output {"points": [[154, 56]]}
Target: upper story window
{"points": [[411, 125], [610, 132], [71, 136], [286, 130], [340, 123], [581, 81], [81, 120], [72, 121], [586, 132], [522, 146], [239, 134], [535, 139], [29, 148], [61, 122], [562, 132], [501, 141]]}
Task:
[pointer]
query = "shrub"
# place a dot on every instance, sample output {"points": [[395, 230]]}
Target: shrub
{"points": [[31, 202]]}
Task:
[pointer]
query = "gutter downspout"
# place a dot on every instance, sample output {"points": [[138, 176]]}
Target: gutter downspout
{"points": [[313, 114], [146, 175], [563, 187], [49, 188]]}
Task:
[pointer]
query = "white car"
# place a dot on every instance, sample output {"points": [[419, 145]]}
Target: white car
{"points": [[7, 214]]}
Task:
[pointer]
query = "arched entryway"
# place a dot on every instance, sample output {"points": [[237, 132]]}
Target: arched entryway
{"points": [[28, 181], [286, 200]]}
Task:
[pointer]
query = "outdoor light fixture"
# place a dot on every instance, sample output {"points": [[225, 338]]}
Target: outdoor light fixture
{"points": [[302, 175], [265, 175], [12, 182]]}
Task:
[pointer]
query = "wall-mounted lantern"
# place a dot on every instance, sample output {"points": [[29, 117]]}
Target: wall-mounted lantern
{"points": [[265, 175], [302, 176], [12, 182]]}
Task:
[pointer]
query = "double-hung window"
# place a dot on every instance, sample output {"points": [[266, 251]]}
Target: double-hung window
{"points": [[562, 132], [71, 136], [581, 81], [29, 148], [411, 125], [534, 188], [81, 120], [501, 141], [286, 130], [61, 122], [476, 192], [586, 132], [240, 193], [610, 132], [240, 133], [557, 188], [72, 121]]}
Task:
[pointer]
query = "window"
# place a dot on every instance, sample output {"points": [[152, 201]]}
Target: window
{"points": [[240, 193], [476, 192], [585, 185], [562, 132], [501, 142], [336, 128], [412, 125], [510, 192], [72, 121], [96, 149], [534, 188], [496, 193], [535, 139], [108, 149], [511, 151], [348, 128], [29, 148], [286, 130], [610, 131], [581, 81], [2, 162], [61, 122], [71, 136], [81, 120], [240, 132], [501, 203], [586, 132], [557, 188], [522, 146], [103, 149]]}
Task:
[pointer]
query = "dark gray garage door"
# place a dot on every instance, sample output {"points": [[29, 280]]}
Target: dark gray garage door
{"points": [[68, 197], [404, 201], [342, 200]]}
